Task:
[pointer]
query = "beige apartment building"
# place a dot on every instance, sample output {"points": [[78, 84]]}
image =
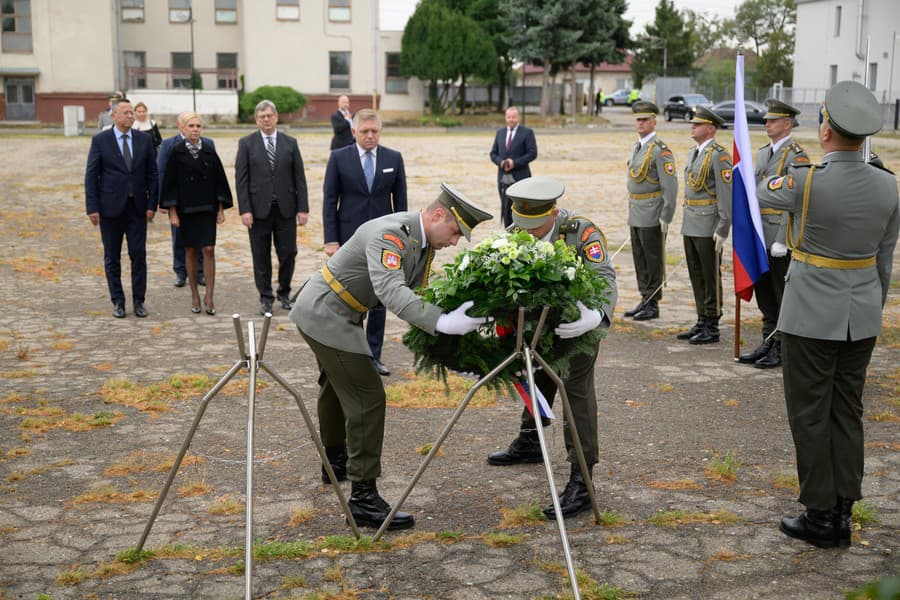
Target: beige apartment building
{"points": [[76, 52]]}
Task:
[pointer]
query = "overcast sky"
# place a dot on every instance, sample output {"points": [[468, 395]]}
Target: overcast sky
{"points": [[394, 13]]}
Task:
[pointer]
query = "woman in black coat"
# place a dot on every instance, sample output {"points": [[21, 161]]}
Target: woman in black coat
{"points": [[196, 192]]}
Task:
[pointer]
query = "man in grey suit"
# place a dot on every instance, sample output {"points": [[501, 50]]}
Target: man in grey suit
{"points": [[772, 160], [272, 198], [842, 230], [380, 265]]}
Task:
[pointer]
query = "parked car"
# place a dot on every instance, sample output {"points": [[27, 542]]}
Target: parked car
{"points": [[755, 112], [619, 96], [683, 106]]}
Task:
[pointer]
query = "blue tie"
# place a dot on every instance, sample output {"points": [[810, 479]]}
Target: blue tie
{"points": [[369, 169]]}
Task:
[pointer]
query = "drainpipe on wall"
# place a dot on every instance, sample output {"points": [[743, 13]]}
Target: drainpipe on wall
{"points": [[860, 50]]}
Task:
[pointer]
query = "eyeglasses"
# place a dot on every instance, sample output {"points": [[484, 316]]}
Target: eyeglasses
{"points": [[265, 116]]}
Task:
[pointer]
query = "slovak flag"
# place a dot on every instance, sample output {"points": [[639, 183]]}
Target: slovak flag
{"points": [[522, 387], [749, 245]]}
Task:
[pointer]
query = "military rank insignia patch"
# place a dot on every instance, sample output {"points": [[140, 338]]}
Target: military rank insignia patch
{"points": [[390, 260], [594, 252], [667, 153], [801, 159], [393, 238], [775, 184], [790, 182], [669, 168], [726, 175], [587, 233]]}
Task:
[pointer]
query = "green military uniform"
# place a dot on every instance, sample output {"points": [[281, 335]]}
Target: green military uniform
{"points": [[842, 229], [707, 211], [769, 288], [379, 265], [652, 191]]}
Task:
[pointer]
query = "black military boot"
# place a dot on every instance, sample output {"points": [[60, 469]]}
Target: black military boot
{"points": [[369, 508], [337, 456], [842, 514], [751, 357], [694, 330], [814, 527], [575, 498], [526, 448], [635, 310], [650, 311], [772, 359], [708, 334]]}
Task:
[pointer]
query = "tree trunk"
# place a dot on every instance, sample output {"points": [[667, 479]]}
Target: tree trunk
{"points": [[577, 94], [433, 97], [592, 99], [545, 97], [462, 95]]}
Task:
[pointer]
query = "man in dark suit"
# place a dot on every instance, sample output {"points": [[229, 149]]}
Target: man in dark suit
{"points": [[342, 124], [162, 158], [120, 188], [514, 148], [272, 198], [362, 182]]}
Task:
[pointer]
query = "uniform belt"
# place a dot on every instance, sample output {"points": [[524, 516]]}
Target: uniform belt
{"points": [[832, 263], [703, 202], [342, 292], [646, 196], [770, 211]]}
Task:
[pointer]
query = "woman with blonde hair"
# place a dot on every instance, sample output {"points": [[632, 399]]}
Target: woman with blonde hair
{"points": [[143, 122]]}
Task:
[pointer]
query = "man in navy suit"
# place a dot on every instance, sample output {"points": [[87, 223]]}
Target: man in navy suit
{"points": [[362, 182], [162, 158], [514, 148], [342, 124], [120, 188]]}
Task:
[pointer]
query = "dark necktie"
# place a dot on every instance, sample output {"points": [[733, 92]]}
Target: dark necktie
{"points": [[694, 153], [270, 151], [126, 152], [509, 139], [369, 170], [637, 148]]}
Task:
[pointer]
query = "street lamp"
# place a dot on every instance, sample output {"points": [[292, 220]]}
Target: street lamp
{"points": [[193, 82]]}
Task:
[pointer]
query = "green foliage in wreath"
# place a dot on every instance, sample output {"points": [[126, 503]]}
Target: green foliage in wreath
{"points": [[504, 272]]}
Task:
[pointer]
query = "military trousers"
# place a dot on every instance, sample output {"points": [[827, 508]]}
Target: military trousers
{"points": [[351, 407], [769, 289], [706, 281], [648, 254], [583, 400], [823, 386]]}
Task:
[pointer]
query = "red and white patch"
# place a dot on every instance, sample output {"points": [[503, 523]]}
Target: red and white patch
{"points": [[391, 260], [726, 175], [594, 252], [775, 184], [669, 168]]}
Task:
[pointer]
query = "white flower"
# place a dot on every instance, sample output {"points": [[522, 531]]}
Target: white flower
{"points": [[500, 243], [464, 262], [570, 273]]}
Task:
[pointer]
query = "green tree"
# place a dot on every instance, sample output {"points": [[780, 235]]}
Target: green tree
{"points": [[488, 16], [770, 26], [605, 34], [285, 98], [665, 48]]}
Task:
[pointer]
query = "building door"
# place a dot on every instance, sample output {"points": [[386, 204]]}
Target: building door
{"points": [[20, 99]]}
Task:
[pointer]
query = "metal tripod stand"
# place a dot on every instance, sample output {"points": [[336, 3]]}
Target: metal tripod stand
{"points": [[252, 360], [530, 356]]}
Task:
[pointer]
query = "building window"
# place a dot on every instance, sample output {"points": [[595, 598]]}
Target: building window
{"points": [[181, 70], [226, 11], [339, 71], [394, 83], [133, 10], [135, 64], [287, 10], [873, 76], [339, 10], [837, 21], [226, 67], [832, 75], [179, 11], [16, 35]]}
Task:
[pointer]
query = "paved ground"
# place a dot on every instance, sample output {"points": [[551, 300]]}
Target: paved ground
{"points": [[81, 463]]}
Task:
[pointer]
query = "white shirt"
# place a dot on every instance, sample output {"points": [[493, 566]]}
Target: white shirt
{"points": [[265, 137], [776, 145], [362, 156], [647, 138]]}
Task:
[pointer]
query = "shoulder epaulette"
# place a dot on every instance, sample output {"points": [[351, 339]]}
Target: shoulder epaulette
{"points": [[764, 146], [571, 226], [805, 165], [719, 147], [880, 165]]}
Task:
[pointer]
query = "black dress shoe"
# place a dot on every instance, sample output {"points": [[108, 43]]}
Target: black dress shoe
{"points": [[180, 281], [772, 359], [119, 311], [265, 307], [842, 515], [694, 330], [286, 303], [337, 458], [573, 500], [635, 310], [139, 310], [751, 357], [380, 368], [526, 448], [709, 332], [814, 527], [369, 508], [650, 311]]}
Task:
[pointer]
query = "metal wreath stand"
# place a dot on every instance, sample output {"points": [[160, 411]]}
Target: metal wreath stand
{"points": [[530, 355], [253, 361]]}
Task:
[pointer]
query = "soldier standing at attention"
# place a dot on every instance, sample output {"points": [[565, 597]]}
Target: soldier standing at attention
{"points": [[772, 160], [652, 190], [842, 229], [707, 219]]}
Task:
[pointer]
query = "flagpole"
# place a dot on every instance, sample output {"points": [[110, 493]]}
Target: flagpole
{"points": [[737, 327]]}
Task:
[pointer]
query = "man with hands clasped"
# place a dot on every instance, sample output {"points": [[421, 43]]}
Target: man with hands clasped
{"points": [[534, 210]]}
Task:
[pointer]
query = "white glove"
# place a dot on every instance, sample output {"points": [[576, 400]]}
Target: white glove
{"points": [[590, 319], [720, 242], [663, 226], [778, 250], [457, 322]]}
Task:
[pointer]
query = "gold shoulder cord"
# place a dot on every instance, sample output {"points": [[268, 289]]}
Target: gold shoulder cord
{"points": [[428, 265], [780, 170], [641, 174], [791, 244], [699, 182]]}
